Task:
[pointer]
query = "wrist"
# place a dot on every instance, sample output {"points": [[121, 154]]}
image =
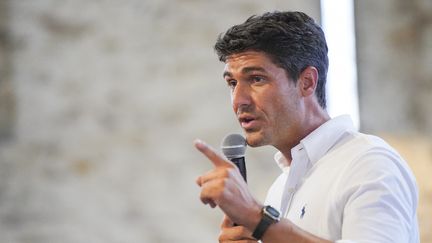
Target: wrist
{"points": [[269, 217], [255, 217]]}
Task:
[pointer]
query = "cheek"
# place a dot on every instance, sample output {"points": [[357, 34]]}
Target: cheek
{"points": [[283, 109], [277, 103]]}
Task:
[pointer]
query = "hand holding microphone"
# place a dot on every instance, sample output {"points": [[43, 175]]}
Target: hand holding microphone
{"points": [[224, 186]]}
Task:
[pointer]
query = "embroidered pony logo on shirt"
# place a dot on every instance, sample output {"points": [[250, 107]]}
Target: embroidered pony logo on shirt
{"points": [[303, 211]]}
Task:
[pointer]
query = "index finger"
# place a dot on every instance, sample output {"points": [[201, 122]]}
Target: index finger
{"points": [[211, 154]]}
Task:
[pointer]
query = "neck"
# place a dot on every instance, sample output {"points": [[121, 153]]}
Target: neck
{"points": [[311, 122]]}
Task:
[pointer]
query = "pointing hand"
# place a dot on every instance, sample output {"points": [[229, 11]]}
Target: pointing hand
{"points": [[224, 186]]}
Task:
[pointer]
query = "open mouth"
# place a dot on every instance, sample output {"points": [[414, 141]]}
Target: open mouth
{"points": [[247, 121]]}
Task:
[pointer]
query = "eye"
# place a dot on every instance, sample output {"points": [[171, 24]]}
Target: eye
{"points": [[231, 83], [257, 79]]}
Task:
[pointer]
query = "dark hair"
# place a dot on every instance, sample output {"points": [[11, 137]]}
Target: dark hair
{"points": [[291, 39]]}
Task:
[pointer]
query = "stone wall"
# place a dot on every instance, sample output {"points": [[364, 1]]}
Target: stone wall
{"points": [[394, 41], [6, 94], [109, 96]]}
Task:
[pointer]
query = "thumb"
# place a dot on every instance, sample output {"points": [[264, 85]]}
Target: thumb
{"points": [[216, 159]]}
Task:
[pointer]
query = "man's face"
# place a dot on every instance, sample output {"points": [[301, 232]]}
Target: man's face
{"points": [[267, 103]]}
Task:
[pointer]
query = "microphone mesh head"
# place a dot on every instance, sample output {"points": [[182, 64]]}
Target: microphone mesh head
{"points": [[234, 146]]}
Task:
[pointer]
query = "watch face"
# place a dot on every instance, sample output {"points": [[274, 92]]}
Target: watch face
{"points": [[273, 212]]}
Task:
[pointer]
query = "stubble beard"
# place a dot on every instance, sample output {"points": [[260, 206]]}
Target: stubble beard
{"points": [[256, 138]]}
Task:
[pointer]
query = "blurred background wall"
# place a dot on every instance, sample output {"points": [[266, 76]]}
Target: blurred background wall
{"points": [[394, 58], [100, 102]]}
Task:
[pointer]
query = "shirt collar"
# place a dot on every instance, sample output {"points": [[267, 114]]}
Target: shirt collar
{"points": [[320, 141]]}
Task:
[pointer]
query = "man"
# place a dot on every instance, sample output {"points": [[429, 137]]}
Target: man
{"points": [[337, 185]]}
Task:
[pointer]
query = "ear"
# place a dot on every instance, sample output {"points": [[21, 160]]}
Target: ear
{"points": [[308, 80]]}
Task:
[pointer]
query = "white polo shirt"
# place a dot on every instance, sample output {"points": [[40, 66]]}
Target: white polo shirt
{"points": [[346, 186]]}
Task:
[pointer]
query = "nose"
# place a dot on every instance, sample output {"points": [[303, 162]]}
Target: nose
{"points": [[241, 97]]}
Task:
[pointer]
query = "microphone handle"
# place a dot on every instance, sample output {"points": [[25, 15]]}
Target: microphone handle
{"points": [[241, 165]]}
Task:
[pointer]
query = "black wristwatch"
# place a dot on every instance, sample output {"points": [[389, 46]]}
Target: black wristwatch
{"points": [[269, 216]]}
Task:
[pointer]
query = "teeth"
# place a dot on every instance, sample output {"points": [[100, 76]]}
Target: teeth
{"points": [[246, 120]]}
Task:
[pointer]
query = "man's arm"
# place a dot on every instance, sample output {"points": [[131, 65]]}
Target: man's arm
{"points": [[380, 198], [224, 187], [286, 231]]}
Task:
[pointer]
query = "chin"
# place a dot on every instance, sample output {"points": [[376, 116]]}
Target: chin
{"points": [[255, 139]]}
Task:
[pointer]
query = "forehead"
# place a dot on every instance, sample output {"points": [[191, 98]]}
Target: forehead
{"points": [[240, 62]]}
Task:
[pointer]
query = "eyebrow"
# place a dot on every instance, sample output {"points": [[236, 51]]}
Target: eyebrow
{"points": [[245, 70]]}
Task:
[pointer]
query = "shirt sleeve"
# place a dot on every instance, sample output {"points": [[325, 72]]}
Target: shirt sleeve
{"points": [[380, 197]]}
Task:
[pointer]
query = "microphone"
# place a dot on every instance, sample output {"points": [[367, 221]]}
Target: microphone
{"points": [[234, 148]]}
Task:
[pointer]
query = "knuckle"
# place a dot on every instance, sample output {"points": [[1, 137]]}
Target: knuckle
{"points": [[222, 236], [198, 181], [243, 231], [222, 183], [203, 197], [225, 172], [232, 170]]}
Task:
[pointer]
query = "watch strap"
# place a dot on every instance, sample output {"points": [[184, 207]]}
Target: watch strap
{"points": [[269, 217], [262, 227]]}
